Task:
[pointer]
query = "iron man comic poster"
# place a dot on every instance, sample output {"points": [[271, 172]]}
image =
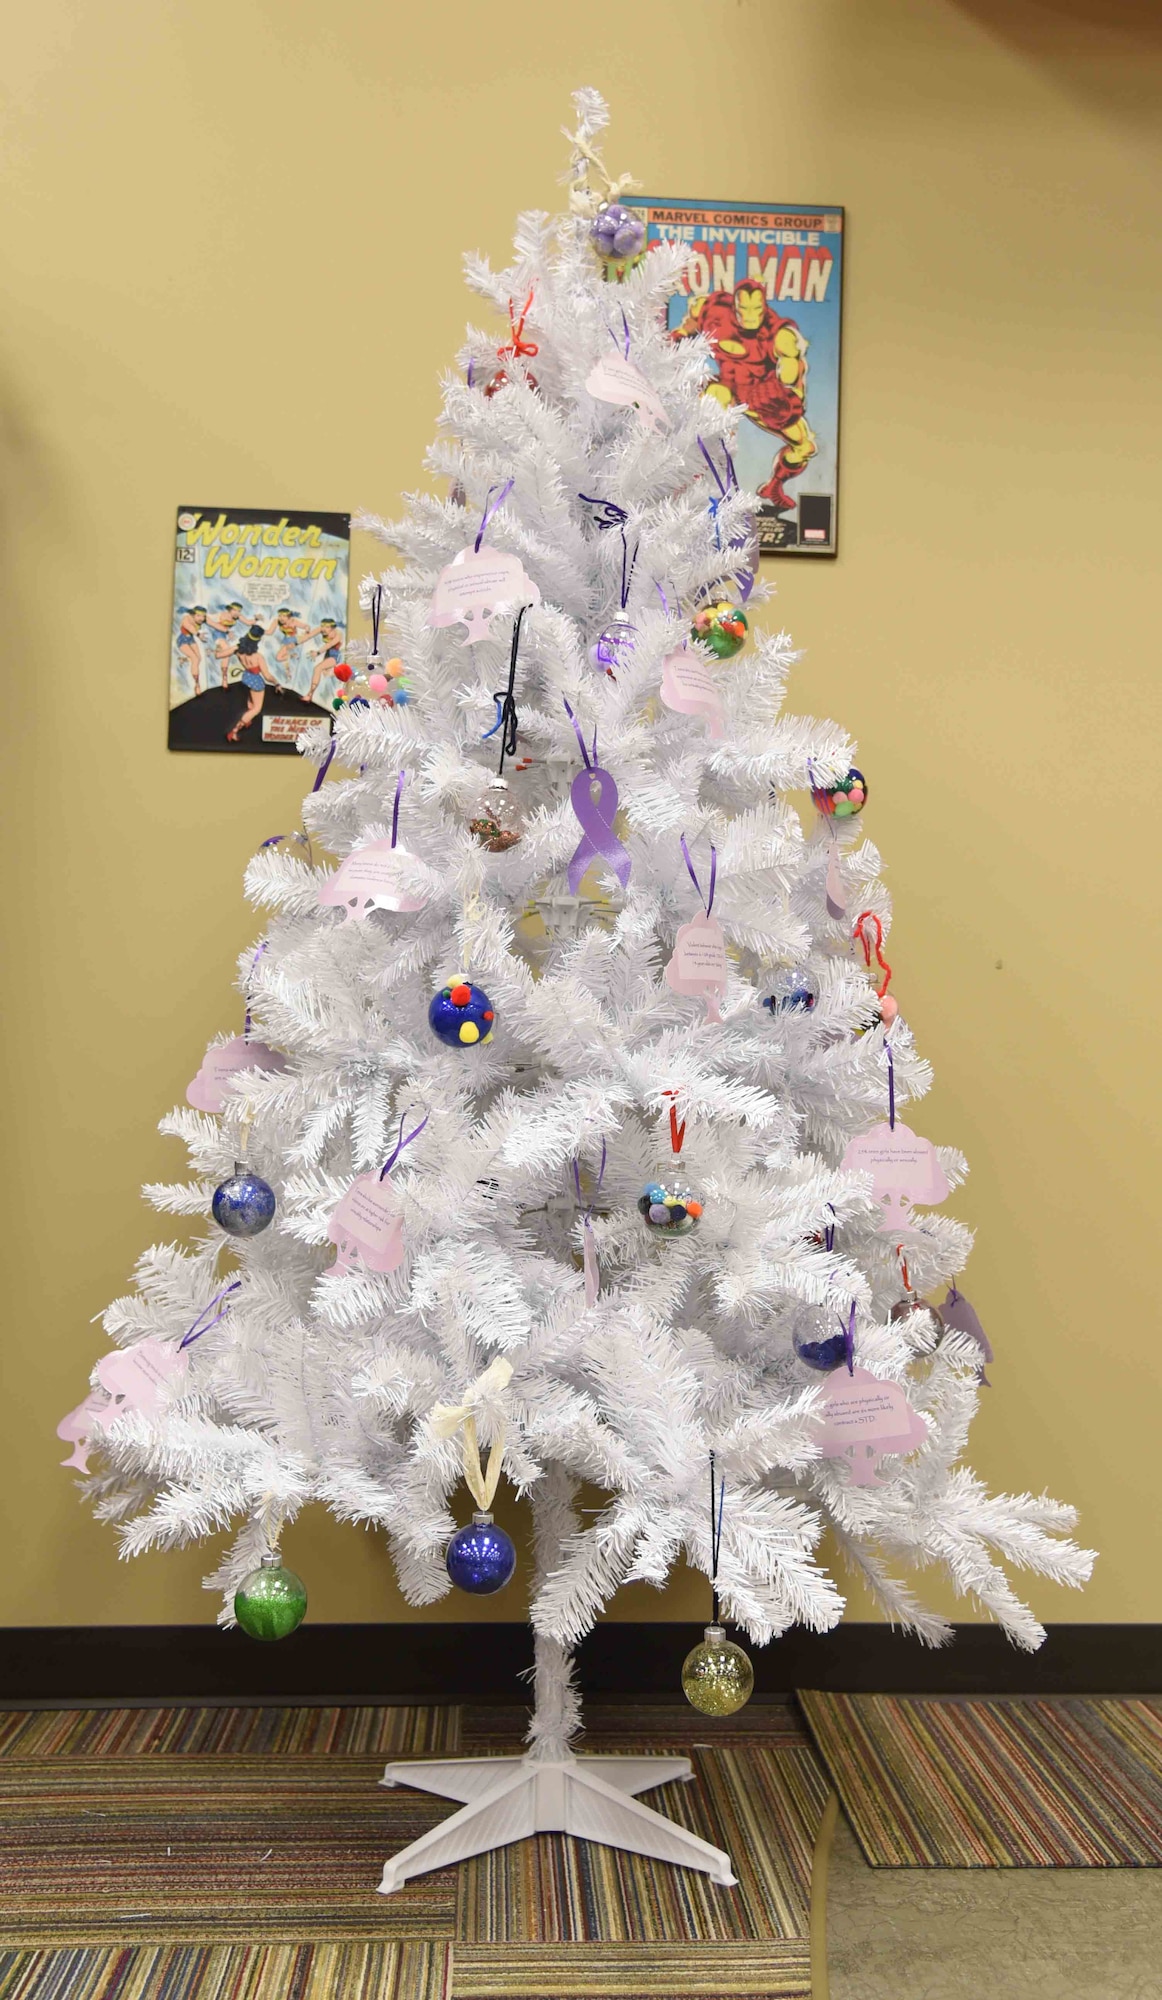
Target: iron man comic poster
{"points": [[763, 286], [259, 627]]}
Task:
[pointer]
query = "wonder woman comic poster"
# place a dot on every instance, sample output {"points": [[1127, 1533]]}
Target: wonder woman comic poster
{"points": [[764, 285], [259, 626]]}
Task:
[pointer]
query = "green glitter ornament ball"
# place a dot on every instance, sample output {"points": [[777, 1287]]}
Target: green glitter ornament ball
{"points": [[271, 1602], [717, 1677]]}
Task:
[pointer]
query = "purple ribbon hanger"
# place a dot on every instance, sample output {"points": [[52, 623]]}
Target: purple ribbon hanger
{"points": [[708, 901], [490, 507], [829, 1231], [588, 1216], [744, 577], [376, 610], [623, 343], [401, 1142], [198, 1329], [399, 785], [595, 816]]}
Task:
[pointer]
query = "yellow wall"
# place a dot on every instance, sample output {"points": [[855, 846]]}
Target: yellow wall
{"points": [[230, 264]]}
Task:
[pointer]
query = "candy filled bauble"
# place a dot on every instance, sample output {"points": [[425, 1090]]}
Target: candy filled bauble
{"points": [[244, 1205], [461, 1015], [481, 1557], [818, 1338], [669, 1209], [271, 1602], [717, 1677], [844, 800], [617, 232], [722, 627], [497, 821], [793, 992]]}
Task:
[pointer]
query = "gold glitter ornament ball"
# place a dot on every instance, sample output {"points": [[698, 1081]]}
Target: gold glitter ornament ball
{"points": [[717, 1677]]}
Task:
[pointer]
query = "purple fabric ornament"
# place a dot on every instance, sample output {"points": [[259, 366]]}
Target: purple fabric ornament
{"points": [[617, 231]]}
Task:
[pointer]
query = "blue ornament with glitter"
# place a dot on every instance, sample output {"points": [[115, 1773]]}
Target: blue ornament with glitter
{"points": [[481, 1557], [461, 1015], [244, 1205]]}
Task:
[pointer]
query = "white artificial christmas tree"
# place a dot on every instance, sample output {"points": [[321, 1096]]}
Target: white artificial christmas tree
{"points": [[510, 1227]]}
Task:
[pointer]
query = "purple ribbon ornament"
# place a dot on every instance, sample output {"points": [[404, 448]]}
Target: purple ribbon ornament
{"points": [[594, 796], [401, 1142], [203, 1324], [742, 544]]}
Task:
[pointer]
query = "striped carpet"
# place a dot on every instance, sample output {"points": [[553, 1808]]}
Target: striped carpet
{"points": [[233, 1854], [1019, 1782]]}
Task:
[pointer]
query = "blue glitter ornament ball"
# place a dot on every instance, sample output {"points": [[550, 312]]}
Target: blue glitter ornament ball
{"points": [[461, 1015], [480, 1558], [244, 1205]]}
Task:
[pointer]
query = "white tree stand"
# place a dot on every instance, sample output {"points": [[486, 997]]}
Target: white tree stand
{"points": [[509, 1798], [549, 1790]]}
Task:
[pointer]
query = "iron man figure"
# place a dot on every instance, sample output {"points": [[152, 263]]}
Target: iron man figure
{"points": [[762, 362]]}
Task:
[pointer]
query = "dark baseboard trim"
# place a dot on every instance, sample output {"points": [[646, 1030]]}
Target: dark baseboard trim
{"points": [[65, 1666]]}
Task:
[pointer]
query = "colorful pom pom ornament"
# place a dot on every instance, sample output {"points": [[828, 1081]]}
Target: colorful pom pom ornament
{"points": [[461, 1015], [844, 800], [723, 627], [669, 1209]]}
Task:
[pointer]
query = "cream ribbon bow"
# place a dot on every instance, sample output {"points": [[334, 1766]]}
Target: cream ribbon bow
{"points": [[445, 1419]]}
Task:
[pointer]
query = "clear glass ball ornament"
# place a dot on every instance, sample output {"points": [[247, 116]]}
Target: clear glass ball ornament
{"points": [[717, 1676], [793, 991], [669, 1208], [271, 1602], [819, 1337], [612, 644], [497, 819], [617, 232]]}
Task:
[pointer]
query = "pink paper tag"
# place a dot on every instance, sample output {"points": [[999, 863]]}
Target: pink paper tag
{"points": [[904, 1169], [207, 1092], [140, 1378], [836, 895], [376, 877], [366, 1227], [589, 1261], [865, 1420], [689, 687], [699, 967], [617, 379], [477, 586], [78, 1427]]}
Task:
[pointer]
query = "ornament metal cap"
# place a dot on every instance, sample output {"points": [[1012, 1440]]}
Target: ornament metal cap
{"points": [[715, 1635], [271, 1560], [481, 1520]]}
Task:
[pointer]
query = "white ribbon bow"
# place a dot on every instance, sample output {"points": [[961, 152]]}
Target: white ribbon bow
{"points": [[445, 1419]]}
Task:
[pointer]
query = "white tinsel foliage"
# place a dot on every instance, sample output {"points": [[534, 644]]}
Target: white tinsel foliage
{"points": [[317, 1386]]}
